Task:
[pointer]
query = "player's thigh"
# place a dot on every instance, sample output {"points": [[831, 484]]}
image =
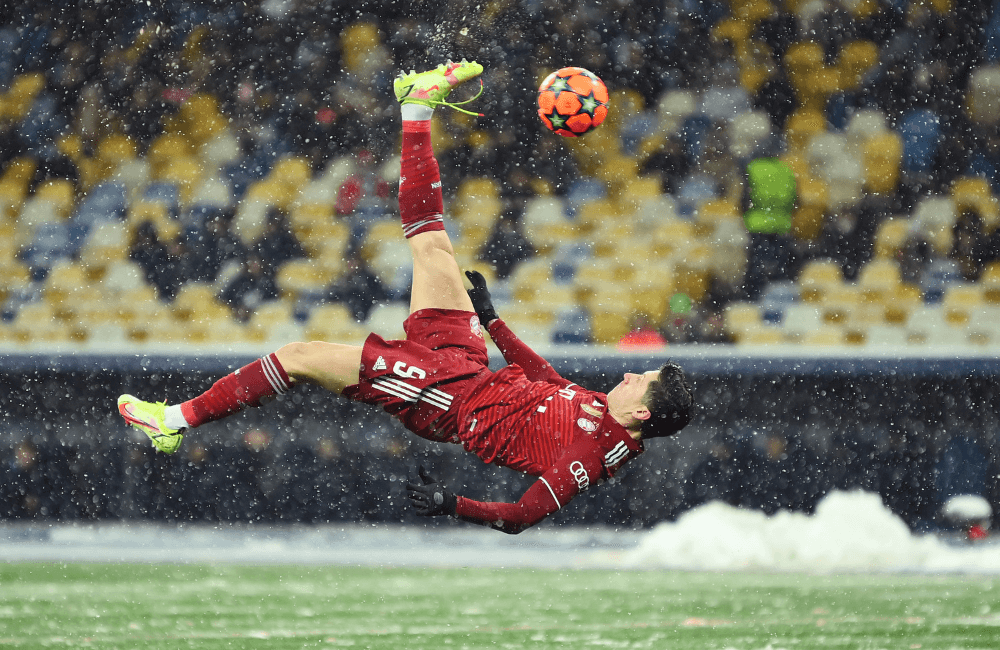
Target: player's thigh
{"points": [[437, 280], [333, 366]]}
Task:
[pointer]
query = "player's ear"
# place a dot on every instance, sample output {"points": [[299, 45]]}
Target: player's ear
{"points": [[641, 413]]}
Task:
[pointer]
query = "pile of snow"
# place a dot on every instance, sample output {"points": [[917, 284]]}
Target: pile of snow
{"points": [[850, 531]]}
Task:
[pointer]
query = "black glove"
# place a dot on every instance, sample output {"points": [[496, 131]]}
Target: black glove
{"points": [[480, 297], [429, 498]]}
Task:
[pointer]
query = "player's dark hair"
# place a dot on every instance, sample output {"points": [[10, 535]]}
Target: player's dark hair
{"points": [[670, 403]]}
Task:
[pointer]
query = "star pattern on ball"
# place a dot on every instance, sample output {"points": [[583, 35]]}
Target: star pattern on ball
{"points": [[559, 85], [589, 103]]}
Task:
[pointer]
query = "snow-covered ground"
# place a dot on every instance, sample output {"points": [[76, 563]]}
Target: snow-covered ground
{"points": [[850, 532]]}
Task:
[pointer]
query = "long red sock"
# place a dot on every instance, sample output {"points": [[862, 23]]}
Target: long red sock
{"points": [[420, 203], [236, 391]]}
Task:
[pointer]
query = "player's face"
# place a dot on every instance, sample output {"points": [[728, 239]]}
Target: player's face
{"points": [[627, 395]]}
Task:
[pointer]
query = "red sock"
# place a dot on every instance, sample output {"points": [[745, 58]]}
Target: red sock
{"points": [[236, 391], [420, 204]]}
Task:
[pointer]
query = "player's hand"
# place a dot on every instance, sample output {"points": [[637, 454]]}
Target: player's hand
{"points": [[429, 498], [481, 299]]}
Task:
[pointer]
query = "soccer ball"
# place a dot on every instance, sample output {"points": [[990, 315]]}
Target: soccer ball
{"points": [[572, 101]]}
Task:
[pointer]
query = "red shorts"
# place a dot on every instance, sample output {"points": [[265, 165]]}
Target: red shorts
{"points": [[422, 380]]}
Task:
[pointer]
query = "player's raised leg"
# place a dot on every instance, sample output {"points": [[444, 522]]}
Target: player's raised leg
{"points": [[330, 365], [437, 280]]}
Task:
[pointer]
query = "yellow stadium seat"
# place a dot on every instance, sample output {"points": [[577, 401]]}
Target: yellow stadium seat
{"points": [[804, 57], [165, 149], [299, 276], [891, 236], [60, 193], [802, 125], [815, 87], [882, 159], [477, 188], [115, 148], [880, 273], [593, 213], [22, 93], [187, 173], [760, 335], [609, 326], [740, 316], [817, 278], [333, 322], [856, 59], [196, 301], [293, 172], [826, 336], [960, 302], [714, 211]]}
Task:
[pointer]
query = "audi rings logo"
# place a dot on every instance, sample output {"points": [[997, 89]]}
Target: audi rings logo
{"points": [[580, 474]]}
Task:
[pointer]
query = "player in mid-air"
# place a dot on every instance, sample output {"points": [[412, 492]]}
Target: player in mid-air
{"points": [[436, 381]]}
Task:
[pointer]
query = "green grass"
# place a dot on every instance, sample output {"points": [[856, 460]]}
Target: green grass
{"points": [[209, 606]]}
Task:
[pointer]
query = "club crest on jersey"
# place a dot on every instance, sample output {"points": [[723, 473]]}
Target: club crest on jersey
{"points": [[476, 326], [586, 425], [590, 410]]}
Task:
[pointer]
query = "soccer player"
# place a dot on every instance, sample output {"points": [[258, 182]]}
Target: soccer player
{"points": [[437, 382]]}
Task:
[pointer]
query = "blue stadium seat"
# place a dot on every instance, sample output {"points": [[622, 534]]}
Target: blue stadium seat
{"points": [[572, 326], [104, 202], [776, 298], [921, 133], [582, 190], [242, 173], [8, 46], [53, 241], [936, 277], [42, 122], [163, 192], [693, 133]]}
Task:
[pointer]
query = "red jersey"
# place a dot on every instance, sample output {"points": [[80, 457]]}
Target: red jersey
{"points": [[527, 417], [524, 416]]}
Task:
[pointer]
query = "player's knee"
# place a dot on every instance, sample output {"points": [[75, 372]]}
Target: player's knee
{"points": [[297, 359], [430, 244]]}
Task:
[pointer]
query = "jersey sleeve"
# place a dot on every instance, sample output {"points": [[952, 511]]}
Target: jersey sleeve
{"points": [[575, 471], [515, 351]]}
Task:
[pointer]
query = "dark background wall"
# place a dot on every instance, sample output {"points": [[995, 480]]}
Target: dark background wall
{"points": [[771, 433]]}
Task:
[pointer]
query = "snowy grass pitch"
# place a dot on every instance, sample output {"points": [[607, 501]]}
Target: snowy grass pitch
{"points": [[211, 606]]}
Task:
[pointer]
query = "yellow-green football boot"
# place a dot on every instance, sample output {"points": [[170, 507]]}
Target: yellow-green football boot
{"points": [[148, 417]]}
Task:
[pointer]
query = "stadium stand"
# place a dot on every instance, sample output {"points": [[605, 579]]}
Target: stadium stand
{"points": [[887, 163]]}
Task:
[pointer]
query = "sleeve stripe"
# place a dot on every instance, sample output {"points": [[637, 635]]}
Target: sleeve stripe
{"points": [[552, 492]]}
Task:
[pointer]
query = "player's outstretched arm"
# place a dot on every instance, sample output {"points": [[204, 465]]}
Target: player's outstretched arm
{"points": [[572, 474], [513, 349]]}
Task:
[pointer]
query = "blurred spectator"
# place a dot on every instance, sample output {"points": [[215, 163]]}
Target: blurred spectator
{"points": [[507, 246], [213, 245], [277, 243], [552, 162], [769, 196], [970, 246], [669, 162], [642, 336], [157, 260], [984, 159], [254, 285], [913, 257], [360, 288]]}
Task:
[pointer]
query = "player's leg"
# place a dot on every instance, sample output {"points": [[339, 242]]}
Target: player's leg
{"points": [[437, 280], [330, 365]]}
